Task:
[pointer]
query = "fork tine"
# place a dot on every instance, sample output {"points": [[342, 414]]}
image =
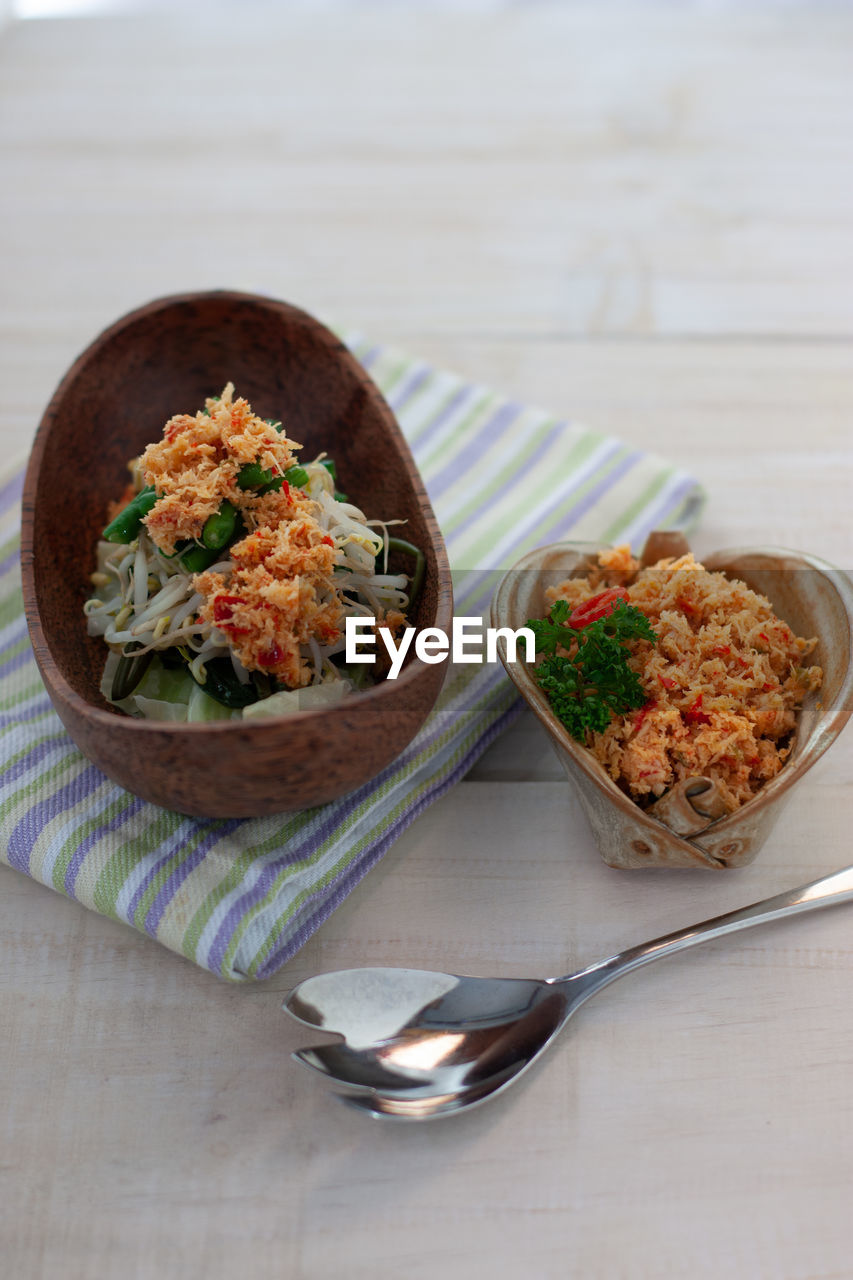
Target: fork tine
{"points": [[310, 1057], [302, 1011]]}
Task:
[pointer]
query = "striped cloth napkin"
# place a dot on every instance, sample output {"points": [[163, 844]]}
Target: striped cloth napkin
{"points": [[240, 897]]}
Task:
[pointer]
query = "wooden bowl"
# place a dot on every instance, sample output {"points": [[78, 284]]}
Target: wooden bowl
{"points": [[164, 359], [809, 594]]}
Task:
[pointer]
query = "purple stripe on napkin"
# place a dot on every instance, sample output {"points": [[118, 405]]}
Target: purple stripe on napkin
{"points": [[491, 430], [113, 824], [182, 870], [30, 827]]}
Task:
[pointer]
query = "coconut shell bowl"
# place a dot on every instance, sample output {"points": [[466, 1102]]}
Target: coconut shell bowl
{"points": [[687, 827], [162, 359]]}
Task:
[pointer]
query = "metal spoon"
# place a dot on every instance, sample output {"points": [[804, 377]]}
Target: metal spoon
{"points": [[417, 1044]]}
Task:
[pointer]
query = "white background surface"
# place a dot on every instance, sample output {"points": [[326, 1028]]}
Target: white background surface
{"points": [[637, 215]]}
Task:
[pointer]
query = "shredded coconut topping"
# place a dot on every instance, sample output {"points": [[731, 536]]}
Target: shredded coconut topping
{"points": [[195, 466], [722, 684], [281, 592]]}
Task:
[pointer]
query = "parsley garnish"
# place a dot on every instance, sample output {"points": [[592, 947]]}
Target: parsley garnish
{"points": [[594, 683]]}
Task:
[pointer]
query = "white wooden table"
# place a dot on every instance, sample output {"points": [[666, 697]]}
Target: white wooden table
{"points": [[639, 216]]}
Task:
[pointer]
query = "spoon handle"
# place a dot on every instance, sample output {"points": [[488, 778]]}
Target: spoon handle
{"points": [[826, 892]]}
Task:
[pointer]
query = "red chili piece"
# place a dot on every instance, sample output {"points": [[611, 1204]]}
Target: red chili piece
{"points": [[223, 611], [269, 657], [596, 607], [695, 714], [223, 607]]}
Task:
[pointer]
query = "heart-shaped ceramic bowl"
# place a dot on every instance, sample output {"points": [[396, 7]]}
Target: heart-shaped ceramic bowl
{"points": [[164, 359], [814, 598]]}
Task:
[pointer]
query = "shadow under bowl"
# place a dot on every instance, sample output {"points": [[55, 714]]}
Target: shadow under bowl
{"points": [[813, 597], [162, 359]]}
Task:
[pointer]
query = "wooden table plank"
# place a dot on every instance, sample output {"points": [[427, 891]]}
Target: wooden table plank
{"points": [[667, 172], [173, 1102]]}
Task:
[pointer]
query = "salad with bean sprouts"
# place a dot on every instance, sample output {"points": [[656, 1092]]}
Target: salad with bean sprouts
{"points": [[227, 570]]}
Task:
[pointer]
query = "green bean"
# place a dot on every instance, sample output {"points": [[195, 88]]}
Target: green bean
{"points": [[219, 527], [253, 475], [128, 522], [196, 556], [407, 548], [239, 530], [129, 671], [199, 558]]}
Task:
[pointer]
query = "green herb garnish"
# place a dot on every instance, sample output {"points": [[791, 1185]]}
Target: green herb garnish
{"points": [[594, 682]]}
